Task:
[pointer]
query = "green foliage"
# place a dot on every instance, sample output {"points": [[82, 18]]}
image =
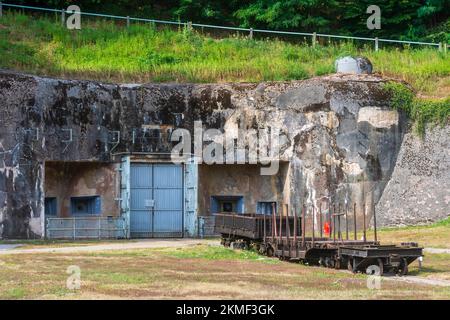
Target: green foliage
{"points": [[421, 111], [442, 223], [406, 19], [106, 51], [214, 253], [401, 96]]}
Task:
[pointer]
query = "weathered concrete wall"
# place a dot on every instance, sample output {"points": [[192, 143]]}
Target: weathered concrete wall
{"points": [[419, 188], [64, 180], [240, 180], [341, 137]]}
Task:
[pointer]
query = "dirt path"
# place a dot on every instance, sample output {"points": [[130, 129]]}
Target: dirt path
{"points": [[144, 244], [436, 250], [420, 280]]}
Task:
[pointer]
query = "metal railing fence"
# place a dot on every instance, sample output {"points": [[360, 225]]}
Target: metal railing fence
{"points": [[441, 46], [79, 228]]}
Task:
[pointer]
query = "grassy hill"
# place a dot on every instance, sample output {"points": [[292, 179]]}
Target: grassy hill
{"points": [[109, 52]]}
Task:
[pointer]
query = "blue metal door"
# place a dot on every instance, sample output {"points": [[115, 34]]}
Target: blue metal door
{"points": [[156, 206]]}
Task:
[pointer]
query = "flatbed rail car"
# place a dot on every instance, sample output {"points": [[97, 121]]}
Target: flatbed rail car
{"points": [[283, 237]]}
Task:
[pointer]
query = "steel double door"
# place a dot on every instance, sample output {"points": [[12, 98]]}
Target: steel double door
{"points": [[156, 200]]}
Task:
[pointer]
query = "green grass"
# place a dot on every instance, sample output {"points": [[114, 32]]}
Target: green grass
{"points": [[215, 273], [108, 52], [420, 111], [216, 253], [15, 293], [435, 265]]}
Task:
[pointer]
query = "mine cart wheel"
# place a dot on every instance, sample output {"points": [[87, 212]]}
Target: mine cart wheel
{"points": [[269, 251], [337, 264], [262, 249], [372, 269], [329, 263], [403, 268], [322, 261], [350, 265]]}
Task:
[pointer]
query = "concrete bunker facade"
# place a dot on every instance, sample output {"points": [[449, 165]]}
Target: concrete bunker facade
{"points": [[72, 148]]}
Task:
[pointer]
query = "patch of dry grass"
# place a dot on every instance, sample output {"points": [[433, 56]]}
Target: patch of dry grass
{"points": [[435, 235], [176, 274], [436, 266]]}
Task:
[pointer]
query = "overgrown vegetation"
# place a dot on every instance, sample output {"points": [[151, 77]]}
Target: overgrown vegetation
{"points": [[407, 19], [109, 52], [421, 111]]}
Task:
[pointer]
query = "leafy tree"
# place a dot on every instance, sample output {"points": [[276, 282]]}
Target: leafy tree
{"points": [[305, 15]]}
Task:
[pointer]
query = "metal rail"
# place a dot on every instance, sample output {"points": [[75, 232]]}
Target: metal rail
{"points": [[86, 228], [441, 46]]}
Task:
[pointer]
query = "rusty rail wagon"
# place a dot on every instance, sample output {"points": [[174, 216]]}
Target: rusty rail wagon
{"points": [[284, 236]]}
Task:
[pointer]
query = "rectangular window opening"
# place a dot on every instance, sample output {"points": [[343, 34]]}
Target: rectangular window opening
{"points": [[228, 204], [50, 207], [85, 206]]}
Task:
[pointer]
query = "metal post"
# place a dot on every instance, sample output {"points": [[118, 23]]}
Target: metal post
{"points": [[264, 226], [303, 226], [314, 38], [320, 219], [73, 228], [63, 17], [251, 34], [328, 217], [1, 9], [339, 223], [334, 222], [376, 44], [128, 24], [288, 229], [364, 221], [313, 216], [295, 231], [346, 220], [281, 230], [295, 225], [355, 236], [47, 223], [274, 224], [374, 221]]}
